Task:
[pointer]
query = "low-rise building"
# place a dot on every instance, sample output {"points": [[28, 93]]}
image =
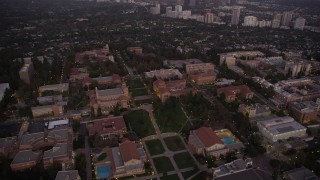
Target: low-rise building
{"points": [[49, 110], [49, 99], [78, 74], [25, 160], [199, 68], [224, 81], [164, 74], [31, 146], [230, 57], [61, 152], [64, 87], [301, 173], [256, 110], [280, 128], [68, 175], [236, 69], [245, 174], [204, 141], [203, 78], [296, 90], [231, 93], [127, 159], [115, 79], [202, 73], [304, 111], [232, 167], [109, 98], [175, 88], [107, 126]]}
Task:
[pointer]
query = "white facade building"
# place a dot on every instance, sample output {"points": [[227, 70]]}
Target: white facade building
{"points": [[280, 128], [299, 23], [250, 21]]}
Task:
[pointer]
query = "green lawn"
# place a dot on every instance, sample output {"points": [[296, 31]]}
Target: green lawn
{"points": [[138, 92], [170, 119], [140, 123], [183, 160], [163, 164], [155, 147], [136, 83], [174, 143], [188, 174], [170, 177]]}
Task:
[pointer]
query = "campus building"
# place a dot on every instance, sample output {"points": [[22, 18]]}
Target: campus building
{"points": [[31, 146], [301, 173], [256, 110], [231, 167], [279, 128], [68, 175], [64, 87], [164, 74], [204, 141], [115, 79], [107, 126], [175, 88], [127, 159], [231, 93], [109, 98], [48, 110], [304, 111], [202, 73]]}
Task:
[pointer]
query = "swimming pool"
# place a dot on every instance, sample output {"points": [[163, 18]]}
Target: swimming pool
{"points": [[103, 172], [228, 140]]}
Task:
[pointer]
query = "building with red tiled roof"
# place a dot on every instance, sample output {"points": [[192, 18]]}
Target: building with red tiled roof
{"points": [[107, 126], [204, 141], [129, 151], [233, 92], [78, 74], [115, 79], [175, 88], [127, 159]]}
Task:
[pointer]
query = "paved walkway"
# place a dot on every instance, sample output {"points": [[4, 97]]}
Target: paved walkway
{"points": [[167, 152]]}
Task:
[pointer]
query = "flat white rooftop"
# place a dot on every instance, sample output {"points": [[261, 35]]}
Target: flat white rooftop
{"points": [[281, 125]]}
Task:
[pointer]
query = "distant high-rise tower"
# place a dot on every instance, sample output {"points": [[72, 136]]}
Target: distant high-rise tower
{"points": [[299, 23], [168, 10], [235, 15], [250, 21], [286, 18], [178, 8], [276, 20]]}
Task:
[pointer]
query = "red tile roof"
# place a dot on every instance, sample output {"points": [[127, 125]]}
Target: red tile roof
{"points": [[107, 125], [74, 71], [207, 136], [243, 89], [129, 151]]}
